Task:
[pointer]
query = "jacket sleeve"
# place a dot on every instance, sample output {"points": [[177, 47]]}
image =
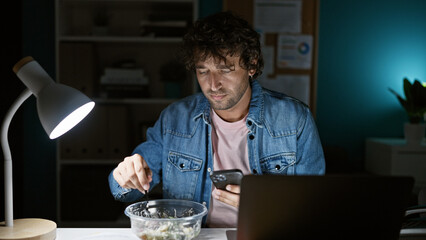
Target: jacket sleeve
{"points": [[151, 151], [310, 155], [122, 194]]}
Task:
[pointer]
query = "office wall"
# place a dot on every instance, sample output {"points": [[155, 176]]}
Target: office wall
{"points": [[11, 87], [364, 48], [28, 33], [39, 155]]}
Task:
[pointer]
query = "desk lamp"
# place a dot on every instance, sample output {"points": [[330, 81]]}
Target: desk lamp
{"points": [[59, 108]]}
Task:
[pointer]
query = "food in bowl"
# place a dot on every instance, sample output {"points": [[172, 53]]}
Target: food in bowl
{"points": [[166, 219]]}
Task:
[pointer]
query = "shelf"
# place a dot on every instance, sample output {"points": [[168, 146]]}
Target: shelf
{"points": [[135, 101], [93, 36], [391, 156], [119, 39], [398, 144]]}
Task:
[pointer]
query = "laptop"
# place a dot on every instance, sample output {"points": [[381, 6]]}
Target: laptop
{"points": [[322, 207]]}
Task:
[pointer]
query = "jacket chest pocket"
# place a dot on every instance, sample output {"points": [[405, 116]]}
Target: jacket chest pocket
{"points": [[283, 163], [181, 175]]}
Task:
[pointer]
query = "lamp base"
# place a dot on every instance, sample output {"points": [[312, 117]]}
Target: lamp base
{"points": [[29, 228]]}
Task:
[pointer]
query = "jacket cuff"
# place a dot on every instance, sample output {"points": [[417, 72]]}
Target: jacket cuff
{"points": [[122, 194]]}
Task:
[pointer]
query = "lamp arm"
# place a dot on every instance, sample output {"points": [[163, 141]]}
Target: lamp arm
{"points": [[8, 180]]}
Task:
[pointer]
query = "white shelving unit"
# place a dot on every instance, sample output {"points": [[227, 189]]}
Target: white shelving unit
{"points": [[392, 156], [94, 35]]}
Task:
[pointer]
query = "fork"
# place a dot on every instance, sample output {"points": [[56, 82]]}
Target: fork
{"points": [[145, 210]]}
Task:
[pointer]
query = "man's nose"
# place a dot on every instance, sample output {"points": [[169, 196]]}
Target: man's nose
{"points": [[215, 82]]}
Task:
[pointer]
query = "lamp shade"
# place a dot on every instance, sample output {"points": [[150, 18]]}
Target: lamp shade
{"points": [[59, 107]]}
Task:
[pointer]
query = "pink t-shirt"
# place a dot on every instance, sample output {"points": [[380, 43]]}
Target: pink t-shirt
{"points": [[229, 140]]}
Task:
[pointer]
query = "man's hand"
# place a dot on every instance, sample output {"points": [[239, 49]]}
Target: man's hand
{"points": [[231, 196], [133, 172]]}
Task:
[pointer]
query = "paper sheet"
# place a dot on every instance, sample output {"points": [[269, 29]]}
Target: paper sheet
{"points": [[277, 16], [297, 86], [294, 51]]}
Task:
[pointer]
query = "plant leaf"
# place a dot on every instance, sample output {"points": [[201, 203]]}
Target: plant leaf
{"points": [[419, 95], [407, 91], [400, 99]]}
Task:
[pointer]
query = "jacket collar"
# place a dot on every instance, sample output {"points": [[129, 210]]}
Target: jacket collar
{"points": [[256, 104], [255, 110]]}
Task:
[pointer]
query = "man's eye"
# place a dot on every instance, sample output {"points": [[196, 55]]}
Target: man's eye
{"points": [[201, 72]]}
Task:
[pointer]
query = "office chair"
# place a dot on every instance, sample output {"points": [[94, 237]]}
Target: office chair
{"points": [[414, 226]]}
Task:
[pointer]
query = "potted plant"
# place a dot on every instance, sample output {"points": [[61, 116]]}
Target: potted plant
{"points": [[414, 105]]}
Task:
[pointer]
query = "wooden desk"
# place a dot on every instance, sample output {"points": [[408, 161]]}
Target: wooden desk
{"points": [[125, 234]]}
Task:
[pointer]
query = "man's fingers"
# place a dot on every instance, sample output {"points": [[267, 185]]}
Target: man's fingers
{"points": [[233, 188], [139, 176], [133, 172], [227, 197], [148, 172], [142, 173], [118, 176]]}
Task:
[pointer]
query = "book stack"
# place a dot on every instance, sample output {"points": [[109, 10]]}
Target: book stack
{"points": [[124, 83]]}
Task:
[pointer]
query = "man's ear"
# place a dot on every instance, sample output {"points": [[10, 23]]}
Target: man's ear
{"points": [[253, 71]]}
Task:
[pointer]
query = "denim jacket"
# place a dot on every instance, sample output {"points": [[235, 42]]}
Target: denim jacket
{"points": [[282, 139]]}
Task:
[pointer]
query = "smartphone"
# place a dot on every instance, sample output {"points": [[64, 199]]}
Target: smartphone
{"points": [[224, 177]]}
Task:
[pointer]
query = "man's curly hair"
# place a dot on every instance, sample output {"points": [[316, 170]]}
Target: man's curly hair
{"points": [[220, 35]]}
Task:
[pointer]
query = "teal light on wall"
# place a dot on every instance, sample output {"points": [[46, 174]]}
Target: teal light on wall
{"points": [[365, 47]]}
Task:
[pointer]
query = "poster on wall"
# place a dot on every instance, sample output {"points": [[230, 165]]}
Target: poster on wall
{"points": [[297, 86], [277, 16], [294, 51]]}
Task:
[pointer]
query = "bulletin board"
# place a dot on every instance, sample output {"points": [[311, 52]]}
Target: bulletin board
{"points": [[289, 35]]}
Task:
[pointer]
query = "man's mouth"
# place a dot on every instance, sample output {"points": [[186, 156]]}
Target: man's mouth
{"points": [[217, 97]]}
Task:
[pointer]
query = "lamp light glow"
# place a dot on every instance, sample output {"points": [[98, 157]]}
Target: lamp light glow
{"points": [[71, 120], [59, 108]]}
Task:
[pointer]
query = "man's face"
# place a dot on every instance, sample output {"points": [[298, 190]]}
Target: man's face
{"points": [[224, 84]]}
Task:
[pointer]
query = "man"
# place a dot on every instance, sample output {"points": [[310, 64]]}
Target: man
{"points": [[233, 123]]}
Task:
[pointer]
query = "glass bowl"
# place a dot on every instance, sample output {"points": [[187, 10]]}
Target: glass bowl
{"points": [[166, 219]]}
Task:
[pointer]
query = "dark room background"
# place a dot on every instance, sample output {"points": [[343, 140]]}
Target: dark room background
{"points": [[365, 47]]}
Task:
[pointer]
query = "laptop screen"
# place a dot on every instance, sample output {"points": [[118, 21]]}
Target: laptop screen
{"points": [[322, 207]]}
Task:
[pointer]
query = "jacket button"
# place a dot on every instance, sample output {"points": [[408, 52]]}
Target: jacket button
{"points": [[278, 167], [254, 171], [181, 165], [249, 123], [251, 137]]}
